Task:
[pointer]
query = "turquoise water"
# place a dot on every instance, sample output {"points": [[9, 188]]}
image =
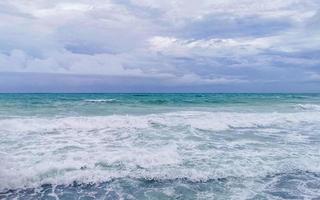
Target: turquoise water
{"points": [[159, 146]]}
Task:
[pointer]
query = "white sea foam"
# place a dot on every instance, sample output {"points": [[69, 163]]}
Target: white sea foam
{"points": [[215, 121], [193, 145], [100, 100], [309, 107]]}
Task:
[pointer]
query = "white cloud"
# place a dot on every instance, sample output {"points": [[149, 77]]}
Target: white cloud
{"points": [[111, 38], [211, 47], [180, 9]]}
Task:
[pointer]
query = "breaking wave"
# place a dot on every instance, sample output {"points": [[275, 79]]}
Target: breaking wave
{"points": [[197, 146], [100, 100], [308, 107], [214, 121]]}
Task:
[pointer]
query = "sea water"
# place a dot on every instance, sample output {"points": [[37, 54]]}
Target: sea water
{"points": [[159, 146]]}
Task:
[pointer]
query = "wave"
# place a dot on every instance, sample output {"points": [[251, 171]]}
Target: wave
{"points": [[273, 185], [195, 145], [213, 121], [100, 100], [155, 101], [308, 107]]}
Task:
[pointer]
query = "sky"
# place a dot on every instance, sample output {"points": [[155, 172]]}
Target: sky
{"points": [[160, 46]]}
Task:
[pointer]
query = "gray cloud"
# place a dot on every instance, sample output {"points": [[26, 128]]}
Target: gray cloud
{"points": [[175, 42]]}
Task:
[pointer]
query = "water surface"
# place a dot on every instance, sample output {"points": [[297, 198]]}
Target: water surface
{"points": [[159, 146]]}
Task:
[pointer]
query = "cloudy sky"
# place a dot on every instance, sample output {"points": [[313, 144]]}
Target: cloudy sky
{"points": [[160, 46]]}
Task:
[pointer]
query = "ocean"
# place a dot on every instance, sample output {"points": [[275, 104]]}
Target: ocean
{"points": [[160, 146]]}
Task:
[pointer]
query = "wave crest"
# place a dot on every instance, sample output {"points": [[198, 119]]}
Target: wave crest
{"points": [[308, 107], [100, 100], [197, 145]]}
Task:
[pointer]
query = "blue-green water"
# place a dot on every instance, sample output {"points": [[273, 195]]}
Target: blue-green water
{"points": [[159, 146]]}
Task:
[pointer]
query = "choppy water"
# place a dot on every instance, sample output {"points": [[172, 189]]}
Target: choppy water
{"points": [[159, 146]]}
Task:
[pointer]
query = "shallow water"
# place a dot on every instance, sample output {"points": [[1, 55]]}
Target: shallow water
{"points": [[159, 146]]}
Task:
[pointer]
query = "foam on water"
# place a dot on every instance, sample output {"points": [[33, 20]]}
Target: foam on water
{"points": [[311, 107], [99, 100], [215, 121], [208, 146], [196, 146]]}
